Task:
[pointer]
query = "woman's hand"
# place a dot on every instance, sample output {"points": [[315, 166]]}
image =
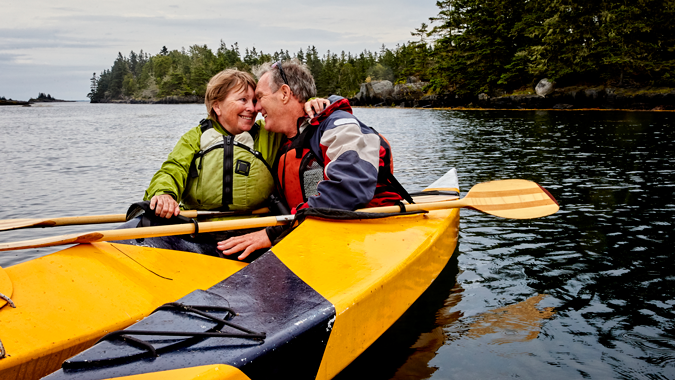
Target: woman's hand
{"points": [[165, 206], [316, 105], [247, 243]]}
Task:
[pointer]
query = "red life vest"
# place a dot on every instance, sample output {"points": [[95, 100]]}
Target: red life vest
{"points": [[291, 174], [299, 170]]}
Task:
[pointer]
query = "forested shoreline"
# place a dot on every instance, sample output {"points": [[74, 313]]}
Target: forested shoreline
{"points": [[471, 48]]}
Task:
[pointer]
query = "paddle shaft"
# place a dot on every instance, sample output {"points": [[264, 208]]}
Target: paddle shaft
{"points": [[147, 232], [120, 218], [12, 224], [459, 203]]}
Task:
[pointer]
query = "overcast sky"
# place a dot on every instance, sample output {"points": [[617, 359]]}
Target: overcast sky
{"points": [[55, 46]]}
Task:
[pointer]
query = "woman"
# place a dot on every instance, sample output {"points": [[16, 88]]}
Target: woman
{"points": [[222, 164]]}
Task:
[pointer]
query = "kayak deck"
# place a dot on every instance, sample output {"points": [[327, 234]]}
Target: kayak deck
{"points": [[67, 300]]}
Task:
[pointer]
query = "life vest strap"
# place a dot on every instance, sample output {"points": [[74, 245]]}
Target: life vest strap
{"points": [[228, 163], [389, 178]]}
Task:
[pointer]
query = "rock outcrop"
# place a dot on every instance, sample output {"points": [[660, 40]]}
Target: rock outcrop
{"points": [[375, 92], [544, 87], [408, 94]]}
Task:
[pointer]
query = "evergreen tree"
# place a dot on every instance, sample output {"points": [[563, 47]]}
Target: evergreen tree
{"points": [[478, 41], [300, 56], [132, 62], [422, 52], [117, 73], [102, 87], [314, 62]]}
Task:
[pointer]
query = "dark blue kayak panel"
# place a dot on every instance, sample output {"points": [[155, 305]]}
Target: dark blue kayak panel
{"points": [[266, 296]]}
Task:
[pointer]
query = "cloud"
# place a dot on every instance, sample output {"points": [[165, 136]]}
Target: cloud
{"points": [[78, 36], [36, 38], [7, 57]]}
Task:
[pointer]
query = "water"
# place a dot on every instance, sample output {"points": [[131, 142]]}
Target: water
{"points": [[585, 293]]}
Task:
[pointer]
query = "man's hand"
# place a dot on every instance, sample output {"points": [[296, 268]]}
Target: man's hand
{"points": [[247, 243], [165, 206], [316, 105]]}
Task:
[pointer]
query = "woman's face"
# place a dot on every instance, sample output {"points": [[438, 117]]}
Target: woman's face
{"points": [[236, 113]]}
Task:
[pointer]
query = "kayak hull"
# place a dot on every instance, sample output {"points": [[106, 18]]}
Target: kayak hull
{"points": [[377, 281]]}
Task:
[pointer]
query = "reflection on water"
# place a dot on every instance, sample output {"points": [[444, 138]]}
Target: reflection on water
{"points": [[518, 322], [585, 293], [410, 355]]}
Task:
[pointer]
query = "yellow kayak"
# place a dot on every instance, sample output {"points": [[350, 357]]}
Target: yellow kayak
{"points": [[305, 309]]}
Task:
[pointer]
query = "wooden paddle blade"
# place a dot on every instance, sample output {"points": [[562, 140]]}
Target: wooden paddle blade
{"points": [[511, 198], [13, 224], [51, 241]]}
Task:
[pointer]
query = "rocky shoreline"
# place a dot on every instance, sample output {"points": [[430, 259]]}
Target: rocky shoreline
{"points": [[10, 102], [167, 100], [412, 94], [50, 101]]}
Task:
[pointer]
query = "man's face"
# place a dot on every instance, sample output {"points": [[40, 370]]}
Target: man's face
{"points": [[269, 105]]}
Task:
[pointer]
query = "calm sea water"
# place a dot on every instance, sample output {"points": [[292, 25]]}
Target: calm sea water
{"points": [[585, 293]]}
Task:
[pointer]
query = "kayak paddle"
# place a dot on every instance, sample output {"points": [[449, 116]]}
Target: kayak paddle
{"points": [[514, 199], [14, 224]]}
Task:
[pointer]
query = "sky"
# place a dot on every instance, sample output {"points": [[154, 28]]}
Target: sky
{"points": [[54, 47]]}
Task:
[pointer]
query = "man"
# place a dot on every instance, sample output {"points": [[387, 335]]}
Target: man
{"points": [[331, 160]]}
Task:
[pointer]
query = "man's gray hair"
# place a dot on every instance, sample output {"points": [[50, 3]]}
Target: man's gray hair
{"points": [[300, 79]]}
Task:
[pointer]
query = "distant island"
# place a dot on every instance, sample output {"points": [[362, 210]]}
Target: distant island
{"points": [[42, 98], [46, 98]]}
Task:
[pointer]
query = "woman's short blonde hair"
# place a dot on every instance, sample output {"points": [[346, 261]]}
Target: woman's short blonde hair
{"points": [[222, 83]]}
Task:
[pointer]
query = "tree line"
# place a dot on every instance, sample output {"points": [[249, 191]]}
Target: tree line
{"points": [[43, 96], [186, 72], [469, 47]]}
